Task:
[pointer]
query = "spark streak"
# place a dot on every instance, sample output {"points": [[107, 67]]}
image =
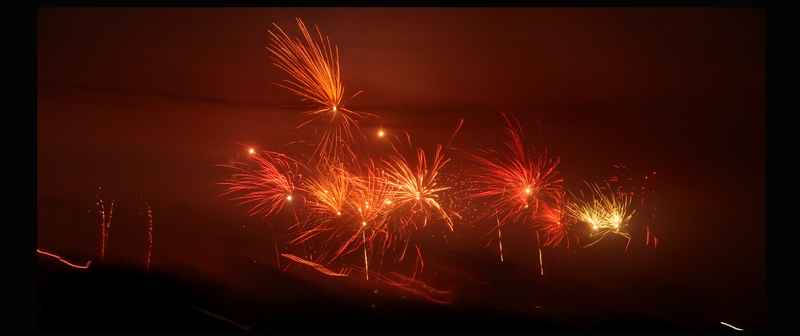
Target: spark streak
{"points": [[728, 325], [316, 266], [105, 224], [605, 212], [150, 233], [64, 261]]}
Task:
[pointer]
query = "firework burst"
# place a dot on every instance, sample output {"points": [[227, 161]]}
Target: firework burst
{"points": [[420, 189], [349, 213], [517, 179], [314, 67], [553, 221], [266, 183], [605, 211]]}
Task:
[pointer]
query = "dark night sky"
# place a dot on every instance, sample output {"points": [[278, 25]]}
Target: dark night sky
{"points": [[146, 102]]}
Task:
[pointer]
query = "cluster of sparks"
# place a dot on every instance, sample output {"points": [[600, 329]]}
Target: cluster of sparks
{"points": [[605, 211], [344, 202]]}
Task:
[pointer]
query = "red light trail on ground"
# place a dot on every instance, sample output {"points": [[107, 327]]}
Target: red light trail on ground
{"points": [[64, 261]]}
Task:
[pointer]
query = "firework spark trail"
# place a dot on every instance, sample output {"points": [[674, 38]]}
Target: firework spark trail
{"points": [[500, 239], [64, 261], [317, 266], [314, 66], [150, 233], [105, 225], [275, 242], [267, 183], [605, 212], [539, 244], [407, 283], [516, 179]]}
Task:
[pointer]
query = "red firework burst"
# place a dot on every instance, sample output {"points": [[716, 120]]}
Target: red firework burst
{"points": [[266, 182], [517, 179]]}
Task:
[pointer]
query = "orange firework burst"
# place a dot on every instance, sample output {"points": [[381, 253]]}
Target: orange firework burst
{"points": [[604, 211], [352, 216], [314, 66], [352, 213], [518, 179], [267, 182], [420, 188]]}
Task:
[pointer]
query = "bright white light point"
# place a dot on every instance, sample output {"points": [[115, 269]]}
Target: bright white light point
{"points": [[252, 151], [380, 133], [363, 223], [595, 227], [338, 213], [528, 191], [334, 109], [388, 202], [289, 197]]}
